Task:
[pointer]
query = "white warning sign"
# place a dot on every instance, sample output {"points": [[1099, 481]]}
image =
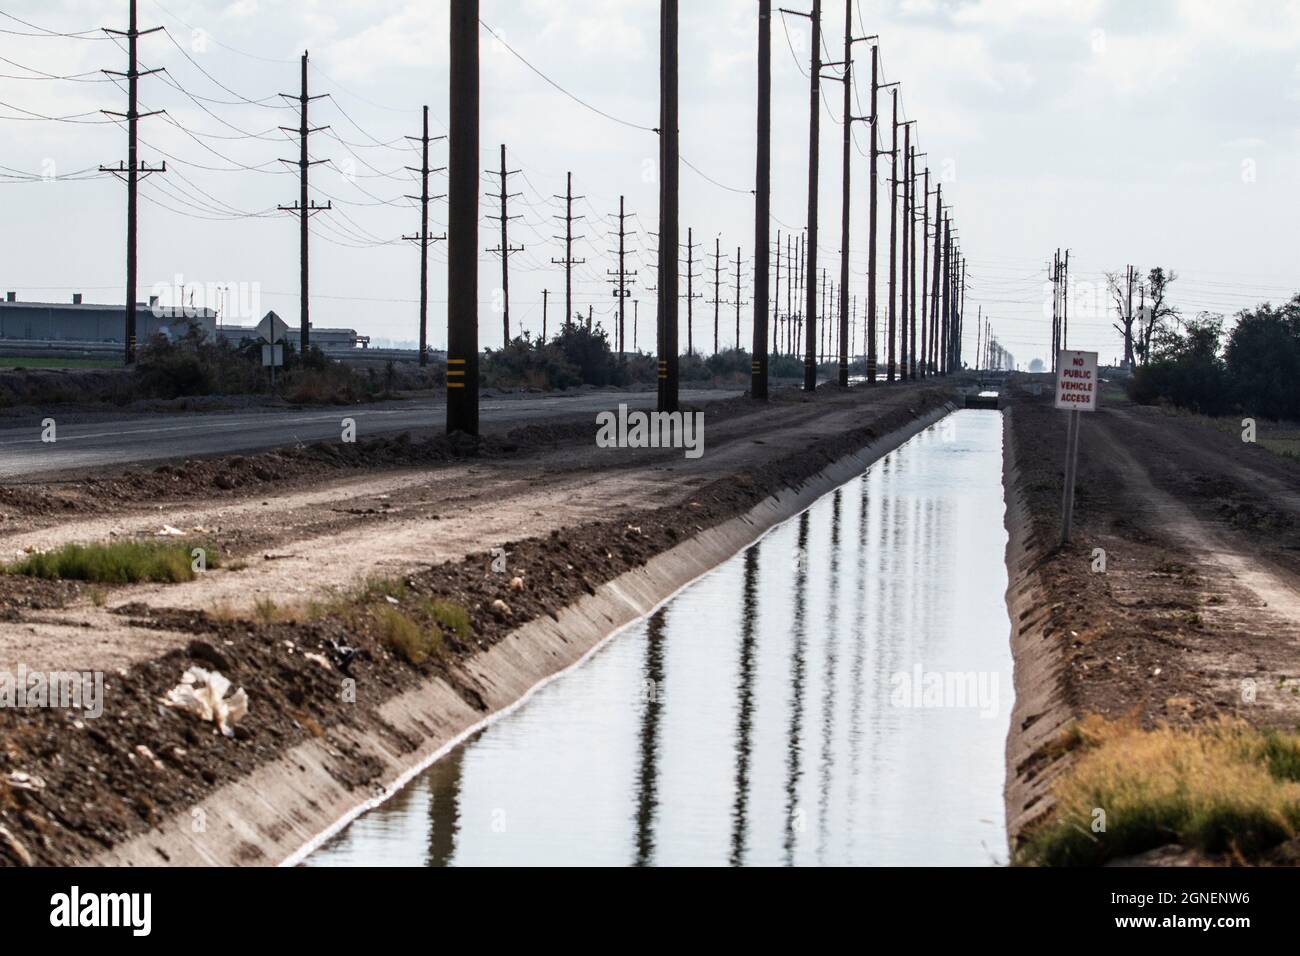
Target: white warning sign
{"points": [[1076, 381]]}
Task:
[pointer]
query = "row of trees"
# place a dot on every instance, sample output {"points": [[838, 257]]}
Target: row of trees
{"points": [[1253, 368]]}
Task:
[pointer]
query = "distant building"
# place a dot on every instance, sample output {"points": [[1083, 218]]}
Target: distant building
{"points": [[329, 340], [78, 321]]}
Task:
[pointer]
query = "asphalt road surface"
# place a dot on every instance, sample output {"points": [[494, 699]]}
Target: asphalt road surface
{"points": [[156, 437]]}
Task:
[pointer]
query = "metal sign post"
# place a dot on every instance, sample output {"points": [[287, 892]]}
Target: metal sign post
{"points": [[1076, 391], [272, 357]]}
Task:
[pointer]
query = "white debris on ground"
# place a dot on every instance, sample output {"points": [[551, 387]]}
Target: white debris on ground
{"points": [[203, 694]]}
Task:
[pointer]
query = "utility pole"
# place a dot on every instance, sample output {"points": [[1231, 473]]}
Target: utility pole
{"points": [[621, 279], [846, 194], [905, 291], [893, 241], [1056, 306], [568, 261], [462, 221], [669, 180], [505, 249], [945, 360], [690, 292], [303, 207], [636, 318], [717, 289], [961, 314], [911, 253], [1065, 304], [814, 160], [934, 283], [926, 332], [739, 302], [762, 209], [800, 280], [546, 301], [133, 170], [776, 302], [872, 227], [423, 238]]}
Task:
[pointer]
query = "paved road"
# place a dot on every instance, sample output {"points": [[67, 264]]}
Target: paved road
{"points": [[154, 437]]}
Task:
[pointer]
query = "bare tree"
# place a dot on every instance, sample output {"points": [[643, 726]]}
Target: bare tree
{"points": [[1152, 320], [1121, 289]]}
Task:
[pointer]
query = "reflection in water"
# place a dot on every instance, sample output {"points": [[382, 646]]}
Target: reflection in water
{"points": [[745, 717], [775, 689], [828, 712], [651, 687], [442, 783], [793, 814]]}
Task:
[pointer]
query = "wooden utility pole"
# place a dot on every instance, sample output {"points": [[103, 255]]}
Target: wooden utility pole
{"points": [[131, 172], [739, 302], [801, 282], [762, 210], [911, 268], [1065, 303], [717, 289], [906, 289], [893, 243], [871, 228], [846, 193], [423, 237], [776, 301], [925, 274], [669, 175], [937, 269], [505, 249], [568, 261], [462, 221], [690, 291], [814, 162], [1056, 308], [303, 207], [791, 293], [620, 279], [546, 301], [946, 357], [961, 315]]}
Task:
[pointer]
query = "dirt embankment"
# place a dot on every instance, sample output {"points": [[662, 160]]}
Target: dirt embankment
{"points": [[73, 789], [1177, 601]]}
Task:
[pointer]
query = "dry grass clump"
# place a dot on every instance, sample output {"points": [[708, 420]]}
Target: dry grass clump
{"points": [[1221, 788]]}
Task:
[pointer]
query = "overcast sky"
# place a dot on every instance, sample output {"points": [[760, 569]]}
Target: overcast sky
{"points": [[1151, 132]]}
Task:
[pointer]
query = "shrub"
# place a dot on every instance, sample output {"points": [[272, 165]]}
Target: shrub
{"points": [[118, 562], [405, 637]]}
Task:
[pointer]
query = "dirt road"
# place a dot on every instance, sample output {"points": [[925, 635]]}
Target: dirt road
{"points": [[1178, 599], [321, 535]]}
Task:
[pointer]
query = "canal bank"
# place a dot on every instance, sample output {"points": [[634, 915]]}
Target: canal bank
{"points": [[271, 813]]}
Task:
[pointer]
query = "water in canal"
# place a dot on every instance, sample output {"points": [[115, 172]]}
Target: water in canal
{"points": [[839, 693]]}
